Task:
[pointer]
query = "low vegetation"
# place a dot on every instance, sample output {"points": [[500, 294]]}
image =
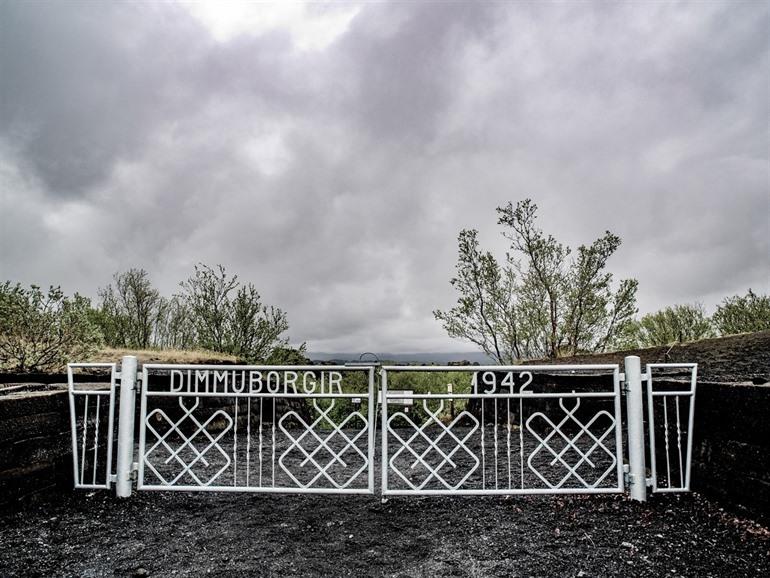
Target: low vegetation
{"points": [[214, 316], [41, 330], [676, 324], [682, 323], [112, 354], [745, 314]]}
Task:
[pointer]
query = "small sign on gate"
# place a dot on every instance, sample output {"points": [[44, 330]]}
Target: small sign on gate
{"points": [[407, 401]]}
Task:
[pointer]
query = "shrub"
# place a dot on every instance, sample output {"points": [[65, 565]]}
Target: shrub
{"points": [[671, 325], [43, 331], [743, 314]]}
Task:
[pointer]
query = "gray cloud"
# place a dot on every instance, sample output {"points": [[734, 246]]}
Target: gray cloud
{"points": [[336, 180]]}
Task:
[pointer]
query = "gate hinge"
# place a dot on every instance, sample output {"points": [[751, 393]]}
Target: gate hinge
{"points": [[628, 477], [624, 385], [134, 475], [137, 382]]}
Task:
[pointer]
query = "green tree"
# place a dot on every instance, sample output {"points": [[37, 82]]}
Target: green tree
{"points": [[745, 314], [112, 323], [129, 311], [207, 297], [42, 331], [254, 329], [174, 328], [230, 317], [676, 324], [486, 313], [541, 301]]}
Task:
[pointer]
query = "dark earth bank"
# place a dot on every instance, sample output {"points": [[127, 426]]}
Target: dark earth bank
{"points": [[732, 359], [163, 534]]}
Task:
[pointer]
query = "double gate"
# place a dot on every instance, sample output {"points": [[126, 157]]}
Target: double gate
{"points": [[419, 430]]}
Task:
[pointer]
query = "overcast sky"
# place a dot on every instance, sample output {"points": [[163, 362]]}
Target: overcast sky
{"points": [[331, 153]]}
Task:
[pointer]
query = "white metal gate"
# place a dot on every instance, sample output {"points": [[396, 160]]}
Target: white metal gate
{"points": [[245, 428], [92, 418], [671, 415], [504, 430], [537, 429]]}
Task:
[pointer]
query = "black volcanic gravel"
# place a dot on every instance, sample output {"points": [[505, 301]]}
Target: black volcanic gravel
{"points": [[174, 533]]}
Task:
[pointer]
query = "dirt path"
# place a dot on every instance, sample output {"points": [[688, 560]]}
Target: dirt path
{"points": [[162, 534]]}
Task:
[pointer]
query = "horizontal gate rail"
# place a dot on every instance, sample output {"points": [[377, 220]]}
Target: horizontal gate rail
{"points": [[497, 443], [92, 439], [671, 414], [250, 428]]}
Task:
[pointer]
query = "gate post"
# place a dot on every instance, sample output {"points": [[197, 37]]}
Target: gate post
{"points": [[126, 426], [637, 479], [384, 414]]}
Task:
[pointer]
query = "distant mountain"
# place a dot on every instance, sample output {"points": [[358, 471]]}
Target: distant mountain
{"points": [[437, 358]]}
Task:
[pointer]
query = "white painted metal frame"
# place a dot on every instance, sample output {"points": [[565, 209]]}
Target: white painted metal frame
{"points": [[295, 442], [457, 489], [684, 459], [91, 441], [80, 455]]}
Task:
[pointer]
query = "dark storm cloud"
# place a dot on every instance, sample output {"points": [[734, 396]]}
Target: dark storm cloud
{"points": [[406, 78], [84, 85], [337, 179]]}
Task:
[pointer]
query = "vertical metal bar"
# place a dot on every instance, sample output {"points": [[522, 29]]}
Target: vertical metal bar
{"points": [[235, 445], [110, 427], [73, 426], [483, 451], [372, 426], [521, 440], [85, 432], [496, 449], [651, 426], [508, 424], [96, 439], [618, 426], [142, 427], [248, 438], [693, 386], [273, 442], [665, 434], [679, 442], [260, 442], [634, 406], [384, 413], [126, 425]]}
